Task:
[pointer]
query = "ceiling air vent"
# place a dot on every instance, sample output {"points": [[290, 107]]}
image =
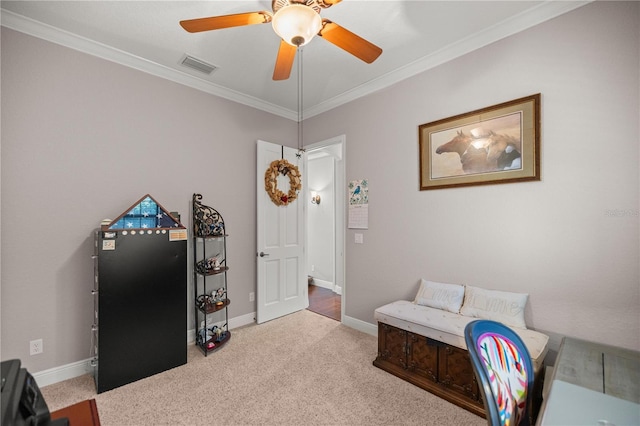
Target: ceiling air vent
{"points": [[198, 65]]}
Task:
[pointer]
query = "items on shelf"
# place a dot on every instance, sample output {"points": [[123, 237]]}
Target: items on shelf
{"points": [[210, 266], [211, 338]]}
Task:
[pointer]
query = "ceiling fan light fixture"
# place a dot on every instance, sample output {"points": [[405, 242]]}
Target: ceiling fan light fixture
{"points": [[296, 24]]}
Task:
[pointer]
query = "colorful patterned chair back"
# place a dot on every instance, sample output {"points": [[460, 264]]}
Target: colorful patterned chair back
{"points": [[504, 371]]}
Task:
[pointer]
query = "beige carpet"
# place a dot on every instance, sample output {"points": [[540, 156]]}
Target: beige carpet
{"points": [[302, 369]]}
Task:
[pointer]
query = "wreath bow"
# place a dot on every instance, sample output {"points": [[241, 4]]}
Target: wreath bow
{"points": [[285, 168]]}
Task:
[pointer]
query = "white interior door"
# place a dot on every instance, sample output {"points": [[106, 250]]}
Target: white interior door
{"points": [[282, 287]]}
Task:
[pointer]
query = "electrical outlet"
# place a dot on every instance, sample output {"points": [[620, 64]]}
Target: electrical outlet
{"points": [[35, 347], [313, 268], [252, 297]]}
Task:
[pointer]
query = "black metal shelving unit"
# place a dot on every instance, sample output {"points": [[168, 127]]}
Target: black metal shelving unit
{"points": [[210, 277]]}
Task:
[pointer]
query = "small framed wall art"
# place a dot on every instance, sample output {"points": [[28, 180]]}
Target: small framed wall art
{"points": [[496, 144]]}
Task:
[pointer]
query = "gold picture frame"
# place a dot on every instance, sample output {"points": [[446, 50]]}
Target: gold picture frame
{"points": [[496, 144]]}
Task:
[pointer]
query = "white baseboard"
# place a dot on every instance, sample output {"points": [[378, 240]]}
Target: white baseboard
{"points": [[323, 283], [360, 325], [65, 372], [328, 285], [242, 320]]}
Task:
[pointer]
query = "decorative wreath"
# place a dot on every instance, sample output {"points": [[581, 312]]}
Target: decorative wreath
{"points": [[284, 167]]}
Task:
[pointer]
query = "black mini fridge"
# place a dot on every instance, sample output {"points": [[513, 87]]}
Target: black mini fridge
{"points": [[140, 295]]}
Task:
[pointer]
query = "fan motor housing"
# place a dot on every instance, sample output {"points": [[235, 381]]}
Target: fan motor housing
{"points": [[316, 5]]}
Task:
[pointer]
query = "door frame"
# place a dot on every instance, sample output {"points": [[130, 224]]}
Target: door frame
{"points": [[339, 212]]}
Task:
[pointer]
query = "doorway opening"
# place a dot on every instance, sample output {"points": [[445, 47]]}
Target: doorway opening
{"points": [[325, 226], [325, 302]]}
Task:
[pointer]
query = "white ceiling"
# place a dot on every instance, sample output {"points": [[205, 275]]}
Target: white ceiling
{"points": [[414, 35]]}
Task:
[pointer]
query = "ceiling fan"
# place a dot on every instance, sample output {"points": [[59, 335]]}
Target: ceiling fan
{"points": [[296, 22]]}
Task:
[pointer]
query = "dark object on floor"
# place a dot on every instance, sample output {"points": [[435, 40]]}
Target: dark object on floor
{"points": [[141, 301], [22, 402], [140, 284]]}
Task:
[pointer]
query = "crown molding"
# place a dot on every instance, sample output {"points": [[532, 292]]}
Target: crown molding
{"points": [[525, 20], [64, 38], [545, 11]]}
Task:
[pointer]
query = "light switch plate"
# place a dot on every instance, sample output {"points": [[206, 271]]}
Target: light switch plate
{"points": [[359, 238]]}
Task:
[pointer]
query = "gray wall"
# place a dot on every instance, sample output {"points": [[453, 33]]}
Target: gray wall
{"points": [[83, 138], [556, 239]]}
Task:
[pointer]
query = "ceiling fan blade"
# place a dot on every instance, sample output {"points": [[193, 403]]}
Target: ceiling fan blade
{"points": [[349, 41], [284, 62], [225, 21]]}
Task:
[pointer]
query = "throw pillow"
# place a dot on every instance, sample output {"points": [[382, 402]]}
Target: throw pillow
{"points": [[440, 295], [501, 306]]}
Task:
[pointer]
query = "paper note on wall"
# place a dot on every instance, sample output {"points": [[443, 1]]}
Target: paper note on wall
{"points": [[359, 204]]}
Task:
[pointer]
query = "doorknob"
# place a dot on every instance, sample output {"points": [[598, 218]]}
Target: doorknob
{"points": [[263, 254]]}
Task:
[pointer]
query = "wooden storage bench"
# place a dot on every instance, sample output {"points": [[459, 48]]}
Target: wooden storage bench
{"points": [[441, 369], [425, 346]]}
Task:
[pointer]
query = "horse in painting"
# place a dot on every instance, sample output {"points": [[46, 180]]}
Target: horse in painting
{"points": [[503, 150], [458, 144], [492, 152]]}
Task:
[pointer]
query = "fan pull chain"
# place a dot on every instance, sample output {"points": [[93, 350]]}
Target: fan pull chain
{"points": [[300, 100]]}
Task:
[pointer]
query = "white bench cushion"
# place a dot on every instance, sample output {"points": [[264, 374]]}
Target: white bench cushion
{"points": [[448, 327]]}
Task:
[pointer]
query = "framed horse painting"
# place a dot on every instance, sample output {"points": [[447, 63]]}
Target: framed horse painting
{"points": [[496, 144]]}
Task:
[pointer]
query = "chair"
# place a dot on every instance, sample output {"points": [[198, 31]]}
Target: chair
{"points": [[504, 371]]}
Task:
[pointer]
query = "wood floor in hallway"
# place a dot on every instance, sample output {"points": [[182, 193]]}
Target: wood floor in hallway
{"points": [[324, 302]]}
